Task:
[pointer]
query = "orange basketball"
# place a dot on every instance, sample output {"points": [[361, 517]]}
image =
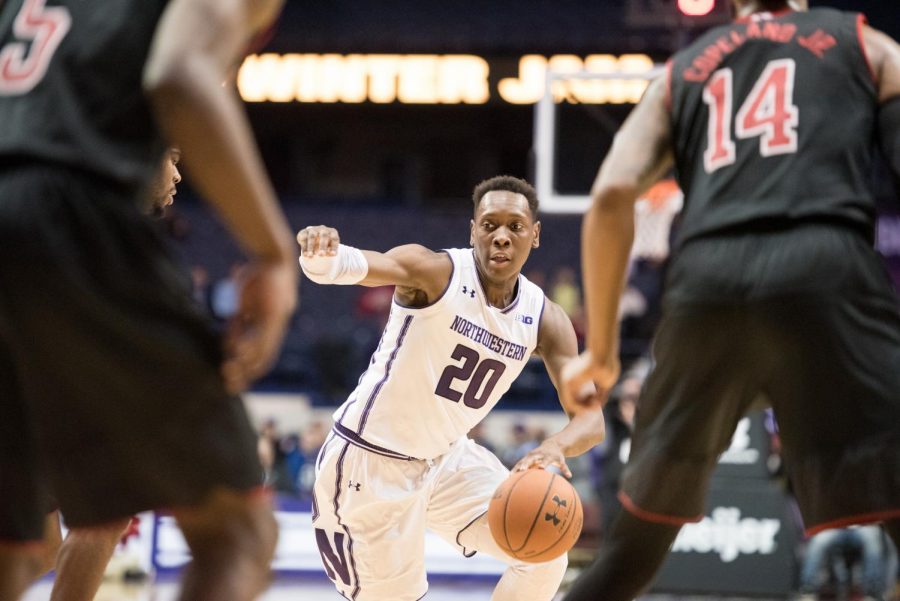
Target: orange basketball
{"points": [[535, 515]]}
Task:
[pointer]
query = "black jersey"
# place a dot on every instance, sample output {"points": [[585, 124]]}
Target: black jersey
{"points": [[773, 120], [70, 85]]}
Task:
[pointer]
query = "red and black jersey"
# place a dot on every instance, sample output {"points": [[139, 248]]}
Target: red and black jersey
{"points": [[70, 85], [773, 120]]}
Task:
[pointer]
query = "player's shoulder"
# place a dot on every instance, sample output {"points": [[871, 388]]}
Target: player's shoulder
{"points": [[553, 314], [555, 329], [827, 12], [417, 253]]}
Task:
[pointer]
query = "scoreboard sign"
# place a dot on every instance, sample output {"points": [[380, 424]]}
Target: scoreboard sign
{"points": [[440, 79]]}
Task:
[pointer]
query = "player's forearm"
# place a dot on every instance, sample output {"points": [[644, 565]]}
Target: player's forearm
{"points": [[606, 239], [586, 429], [204, 119]]}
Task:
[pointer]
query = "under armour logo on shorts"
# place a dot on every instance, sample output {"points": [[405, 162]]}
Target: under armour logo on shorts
{"points": [[356, 485]]}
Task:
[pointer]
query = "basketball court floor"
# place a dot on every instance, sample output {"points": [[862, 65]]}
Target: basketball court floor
{"points": [[306, 589], [321, 589]]}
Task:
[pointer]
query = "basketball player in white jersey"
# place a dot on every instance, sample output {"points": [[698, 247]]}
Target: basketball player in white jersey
{"points": [[463, 324]]}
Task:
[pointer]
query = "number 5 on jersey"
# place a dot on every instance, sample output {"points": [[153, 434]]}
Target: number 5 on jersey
{"points": [[41, 30], [768, 112]]}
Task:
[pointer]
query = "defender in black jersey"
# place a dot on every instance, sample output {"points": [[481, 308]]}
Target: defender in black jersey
{"points": [[774, 291], [116, 393], [80, 560]]}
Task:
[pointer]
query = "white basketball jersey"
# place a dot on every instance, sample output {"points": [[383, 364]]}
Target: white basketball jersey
{"points": [[439, 370]]}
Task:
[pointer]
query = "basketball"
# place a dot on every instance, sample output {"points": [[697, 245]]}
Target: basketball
{"points": [[535, 515]]}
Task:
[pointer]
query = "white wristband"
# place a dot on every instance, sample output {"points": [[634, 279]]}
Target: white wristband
{"points": [[349, 266]]}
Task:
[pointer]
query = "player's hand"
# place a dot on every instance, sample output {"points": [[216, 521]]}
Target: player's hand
{"points": [[547, 454], [318, 241], [585, 381], [255, 333]]}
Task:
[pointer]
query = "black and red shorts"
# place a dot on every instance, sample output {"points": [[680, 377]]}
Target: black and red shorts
{"points": [[110, 393], [804, 319]]}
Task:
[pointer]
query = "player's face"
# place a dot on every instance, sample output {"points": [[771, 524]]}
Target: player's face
{"points": [[162, 193], [503, 233]]}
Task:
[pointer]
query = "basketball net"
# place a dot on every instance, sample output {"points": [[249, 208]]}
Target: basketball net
{"points": [[653, 215], [654, 211]]}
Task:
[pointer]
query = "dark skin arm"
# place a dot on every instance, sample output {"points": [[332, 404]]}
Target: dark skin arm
{"points": [[557, 345], [640, 155], [419, 274], [884, 56], [195, 46]]}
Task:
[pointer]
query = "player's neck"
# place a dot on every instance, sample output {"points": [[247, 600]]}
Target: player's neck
{"points": [[499, 294], [750, 8]]}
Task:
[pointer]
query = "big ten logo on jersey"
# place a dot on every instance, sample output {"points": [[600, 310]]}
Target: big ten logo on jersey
{"points": [[526, 319], [333, 550], [40, 30]]}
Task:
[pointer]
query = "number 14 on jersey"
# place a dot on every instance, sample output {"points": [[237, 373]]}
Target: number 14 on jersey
{"points": [[768, 112]]}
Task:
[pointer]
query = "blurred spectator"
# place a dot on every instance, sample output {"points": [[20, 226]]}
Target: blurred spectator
{"points": [[225, 295], [633, 304], [537, 277], [313, 438], [830, 555], [267, 446], [523, 440], [565, 292], [200, 285], [640, 308], [288, 469], [374, 305], [477, 434], [176, 224], [610, 457]]}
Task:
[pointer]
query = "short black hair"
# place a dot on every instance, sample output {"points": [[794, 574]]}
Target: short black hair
{"points": [[507, 183]]}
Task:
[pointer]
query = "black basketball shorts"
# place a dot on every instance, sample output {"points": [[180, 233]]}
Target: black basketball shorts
{"points": [[803, 319], [110, 393]]}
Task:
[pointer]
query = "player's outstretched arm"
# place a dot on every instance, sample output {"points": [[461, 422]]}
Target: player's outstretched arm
{"points": [[411, 266], [194, 48], [557, 346], [640, 155]]}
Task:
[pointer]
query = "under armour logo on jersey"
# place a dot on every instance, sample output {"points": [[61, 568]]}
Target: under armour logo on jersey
{"points": [[355, 485], [469, 291], [552, 516]]}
